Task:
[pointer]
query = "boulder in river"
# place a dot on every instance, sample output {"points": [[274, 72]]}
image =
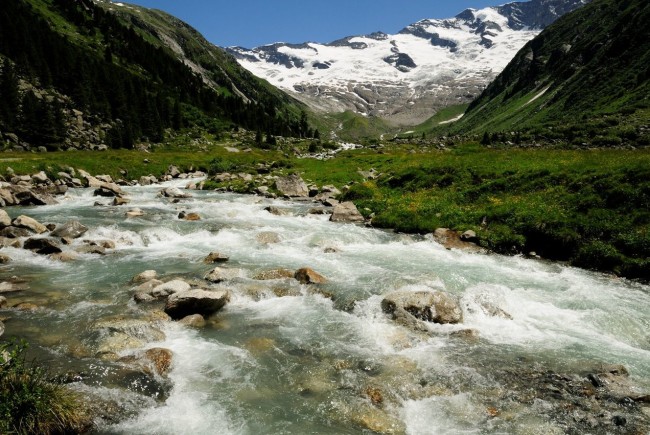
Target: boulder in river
{"points": [[268, 237], [429, 306], [309, 276], [169, 288], [174, 192], [147, 275], [30, 224], [346, 212], [64, 257], [189, 216], [293, 186], [4, 259], [215, 257], [450, 239], [15, 232], [72, 229], [161, 359], [220, 274], [206, 303], [274, 274], [44, 246], [193, 321], [134, 212]]}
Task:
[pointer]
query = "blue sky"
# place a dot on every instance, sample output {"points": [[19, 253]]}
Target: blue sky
{"points": [[250, 23]]}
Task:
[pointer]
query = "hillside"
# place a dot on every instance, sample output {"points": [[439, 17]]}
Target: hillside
{"points": [[584, 80], [81, 74], [405, 78]]}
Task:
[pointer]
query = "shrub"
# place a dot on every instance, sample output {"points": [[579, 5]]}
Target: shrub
{"points": [[598, 255], [31, 404]]}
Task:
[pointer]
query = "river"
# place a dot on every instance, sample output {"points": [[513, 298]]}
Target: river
{"points": [[283, 358]]}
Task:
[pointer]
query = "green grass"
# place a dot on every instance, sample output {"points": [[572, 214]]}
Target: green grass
{"points": [[588, 207], [30, 403]]}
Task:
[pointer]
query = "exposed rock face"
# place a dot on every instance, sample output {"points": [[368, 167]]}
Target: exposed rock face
{"points": [[30, 224], [346, 212], [72, 229], [309, 276], [206, 303], [429, 306], [293, 186]]}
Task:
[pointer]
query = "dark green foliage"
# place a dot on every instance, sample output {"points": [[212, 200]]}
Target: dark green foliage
{"points": [[30, 403], [114, 72]]}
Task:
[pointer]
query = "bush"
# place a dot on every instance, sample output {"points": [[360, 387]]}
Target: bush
{"points": [[598, 255], [30, 404]]}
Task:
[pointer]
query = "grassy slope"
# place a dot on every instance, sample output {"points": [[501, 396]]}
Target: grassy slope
{"points": [[592, 63]]}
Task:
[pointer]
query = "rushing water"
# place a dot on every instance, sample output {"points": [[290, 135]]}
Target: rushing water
{"points": [[308, 363]]}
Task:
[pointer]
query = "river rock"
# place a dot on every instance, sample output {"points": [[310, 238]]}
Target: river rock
{"points": [[30, 224], [134, 212], [268, 237], [4, 259], [91, 249], [161, 360], [173, 171], [120, 201], [189, 216], [274, 274], [6, 242], [346, 212], [15, 232], [429, 306], [5, 220], [193, 321], [44, 246], [293, 186], [148, 286], [40, 177], [142, 297], [26, 196], [469, 236], [147, 275], [452, 240], [169, 288], [220, 274], [7, 198], [215, 257], [174, 192], [278, 211], [71, 229], [65, 257], [3, 302], [309, 276], [197, 301], [119, 334]]}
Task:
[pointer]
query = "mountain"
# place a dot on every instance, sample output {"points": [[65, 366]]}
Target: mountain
{"points": [[86, 74], [585, 78], [405, 78]]}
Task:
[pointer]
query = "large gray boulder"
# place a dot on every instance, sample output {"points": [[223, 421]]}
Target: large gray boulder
{"points": [[429, 306], [30, 224], [71, 229], [220, 274], [203, 302], [346, 212], [293, 186], [174, 192]]}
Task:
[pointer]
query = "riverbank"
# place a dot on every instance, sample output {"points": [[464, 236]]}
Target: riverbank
{"points": [[585, 207]]}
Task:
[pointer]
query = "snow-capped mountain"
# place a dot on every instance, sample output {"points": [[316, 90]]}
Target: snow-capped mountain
{"points": [[405, 77]]}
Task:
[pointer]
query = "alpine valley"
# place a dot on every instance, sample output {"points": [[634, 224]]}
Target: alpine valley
{"points": [[407, 77]]}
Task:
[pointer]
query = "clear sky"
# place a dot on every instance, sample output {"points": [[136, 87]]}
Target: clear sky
{"points": [[250, 23]]}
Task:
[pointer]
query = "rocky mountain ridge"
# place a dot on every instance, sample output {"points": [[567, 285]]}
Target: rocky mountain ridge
{"points": [[405, 78]]}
